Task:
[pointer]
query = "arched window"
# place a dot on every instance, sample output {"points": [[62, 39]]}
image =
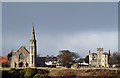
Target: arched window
{"points": [[20, 64], [21, 56]]}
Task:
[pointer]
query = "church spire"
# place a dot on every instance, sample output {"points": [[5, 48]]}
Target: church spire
{"points": [[33, 33], [33, 48]]}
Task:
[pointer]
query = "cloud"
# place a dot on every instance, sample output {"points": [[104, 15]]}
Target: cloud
{"points": [[77, 42], [0, 27], [10, 42], [60, 1], [74, 26]]}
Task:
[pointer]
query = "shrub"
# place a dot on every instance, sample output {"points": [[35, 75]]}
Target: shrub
{"points": [[5, 74], [37, 76], [27, 73], [43, 72], [22, 72], [16, 74], [33, 72]]}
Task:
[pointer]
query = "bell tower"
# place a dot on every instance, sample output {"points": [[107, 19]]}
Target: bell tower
{"points": [[99, 56], [33, 49]]}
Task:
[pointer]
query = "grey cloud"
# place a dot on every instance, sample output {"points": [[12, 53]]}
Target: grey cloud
{"points": [[79, 43], [75, 26], [61, 1], [1, 28]]}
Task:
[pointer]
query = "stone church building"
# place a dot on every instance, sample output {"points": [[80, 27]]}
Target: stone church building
{"points": [[99, 58], [24, 57]]}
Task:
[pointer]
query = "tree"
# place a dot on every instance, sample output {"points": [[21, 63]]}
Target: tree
{"points": [[116, 56], [87, 59], [9, 55], [75, 56], [66, 57], [4, 61], [112, 60]]}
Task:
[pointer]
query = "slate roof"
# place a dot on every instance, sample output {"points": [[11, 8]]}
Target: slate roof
{"points": [[93, 53], [106, 53]]}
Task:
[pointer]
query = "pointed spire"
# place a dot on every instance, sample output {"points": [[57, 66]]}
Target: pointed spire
{"points": [[89, 51], [109, 51], [33, 32]]}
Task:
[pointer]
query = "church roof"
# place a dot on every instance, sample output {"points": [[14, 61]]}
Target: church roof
{"points": [[23, 48]]}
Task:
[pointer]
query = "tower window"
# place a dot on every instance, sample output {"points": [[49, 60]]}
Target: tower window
{"points": [[32, 59]]}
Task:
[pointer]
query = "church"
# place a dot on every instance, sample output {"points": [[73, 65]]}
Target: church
{"points": [[23, 57]]}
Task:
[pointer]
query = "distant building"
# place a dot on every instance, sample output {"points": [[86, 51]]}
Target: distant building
{"points": [[99, 59], [23, 57], [51, 61], [48, 61], [40, 61], [83, 64]]}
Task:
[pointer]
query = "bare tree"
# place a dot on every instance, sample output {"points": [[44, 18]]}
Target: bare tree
{"points": [[113, 60], [117, 56], [66, 57]]}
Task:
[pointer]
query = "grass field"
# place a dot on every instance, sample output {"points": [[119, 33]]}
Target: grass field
{"points": [[5, 68], [53, 72]]}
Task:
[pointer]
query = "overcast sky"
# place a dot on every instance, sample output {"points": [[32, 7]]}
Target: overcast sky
{"points": [[60, 0], [1, 28], [77, 27]]}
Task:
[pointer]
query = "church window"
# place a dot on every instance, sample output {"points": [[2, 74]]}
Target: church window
{"points": [[21, 56], [93, 57], [20, 64]]}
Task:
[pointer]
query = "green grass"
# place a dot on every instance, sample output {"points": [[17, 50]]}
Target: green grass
{"points": [[5, 68]]}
